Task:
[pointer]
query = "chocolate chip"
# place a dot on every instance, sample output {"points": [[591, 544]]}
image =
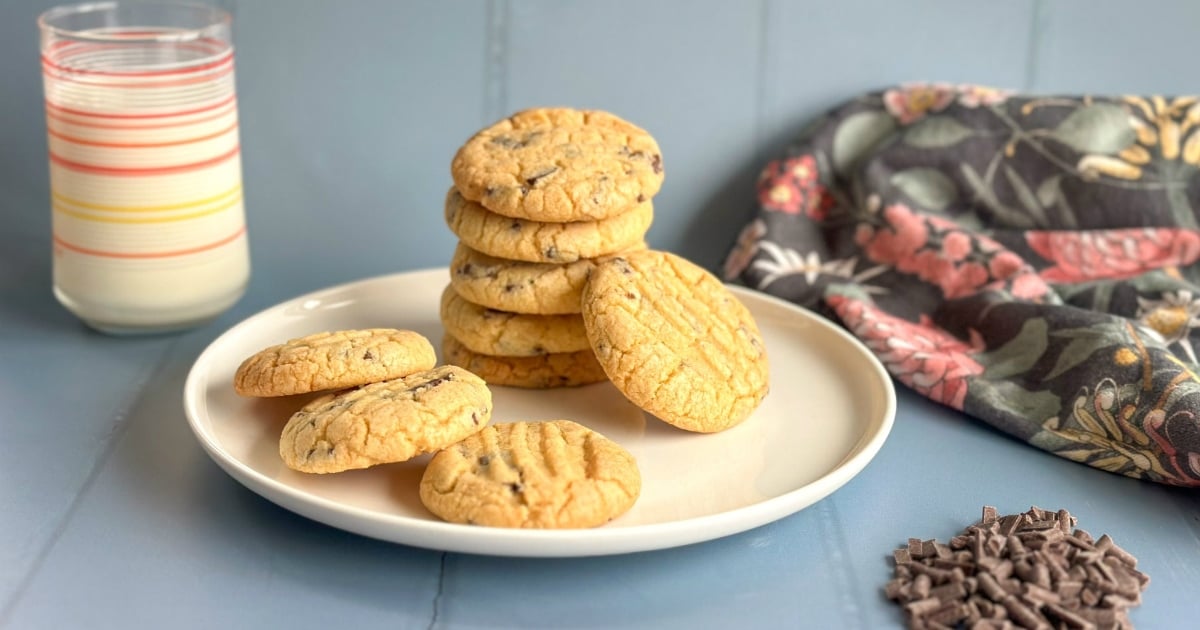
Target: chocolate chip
{"points": [[430, 384], [367, 356], [465, 269], [475, 417], [507, 142], [484, 460], [516, 487], [641, 198], [552, 252], [529, 138], [510, 287], [533, 180], [631, 295], [515, 226], [656, 163]]}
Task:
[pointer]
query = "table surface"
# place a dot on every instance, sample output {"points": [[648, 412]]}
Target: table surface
{"points": [[113, 516]]}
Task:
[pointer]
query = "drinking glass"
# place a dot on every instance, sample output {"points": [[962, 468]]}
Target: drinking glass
{"points": [[149, 231]]}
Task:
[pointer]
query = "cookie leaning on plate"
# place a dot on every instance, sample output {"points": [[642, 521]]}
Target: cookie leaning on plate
{"points": [[551, 474], [558, 165], [386, 422], [561, 369], [333, 360], [488, 331], [675, 340], [535, 241]]}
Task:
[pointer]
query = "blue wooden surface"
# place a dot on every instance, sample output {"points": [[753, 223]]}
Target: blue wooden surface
{"points": [[111, 515]]}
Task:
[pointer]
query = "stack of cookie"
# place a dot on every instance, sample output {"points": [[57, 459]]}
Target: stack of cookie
{"points": [[538, 200]]}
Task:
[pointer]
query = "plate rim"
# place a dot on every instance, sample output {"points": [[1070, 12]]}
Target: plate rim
{"points": [[452, 537]]}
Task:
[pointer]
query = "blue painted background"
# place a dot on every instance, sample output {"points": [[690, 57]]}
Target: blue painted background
{"points": [[351, 111]]}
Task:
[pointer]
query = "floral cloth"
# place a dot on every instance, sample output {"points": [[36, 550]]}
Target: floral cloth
{"points": [[1031, 261]]}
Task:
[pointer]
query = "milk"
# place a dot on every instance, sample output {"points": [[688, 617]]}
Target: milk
{"points": [[146, 181]]}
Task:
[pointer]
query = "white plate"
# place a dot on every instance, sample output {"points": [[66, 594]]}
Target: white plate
{"points": [[830, 408]]}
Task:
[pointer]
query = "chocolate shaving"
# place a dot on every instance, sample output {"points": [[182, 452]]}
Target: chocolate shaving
{"points": [[1028, 570]]}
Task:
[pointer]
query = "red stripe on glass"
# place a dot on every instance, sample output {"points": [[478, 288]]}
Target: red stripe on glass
{"points": [[138, 172], [183, 112], [193, 121]]}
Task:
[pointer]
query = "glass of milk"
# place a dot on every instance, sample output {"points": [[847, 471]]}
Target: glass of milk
{"points": [[149, 231]]}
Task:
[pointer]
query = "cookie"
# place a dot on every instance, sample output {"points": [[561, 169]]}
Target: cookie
{"points": [[552, 474], [675, 340], [533, 241], [334, 360], [488, 331], [559, 165], [564, 369], [386, 422], [518, 286]]}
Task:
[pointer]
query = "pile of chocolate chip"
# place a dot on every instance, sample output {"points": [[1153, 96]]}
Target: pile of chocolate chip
{"points": [[1029, 570]]}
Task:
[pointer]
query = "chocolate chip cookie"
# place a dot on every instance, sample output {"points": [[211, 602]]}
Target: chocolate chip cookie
{"points": [[534, 241], [559, 164], [386, 422], [333, 360], [499, 333], [560, 369], [675, 340], [551, 474]]}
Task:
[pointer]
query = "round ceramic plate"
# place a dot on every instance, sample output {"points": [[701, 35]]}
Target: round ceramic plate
{"points": [[830, 408]]}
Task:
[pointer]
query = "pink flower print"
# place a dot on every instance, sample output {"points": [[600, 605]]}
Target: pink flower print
{"points": [[744, 249], [909, 103], [922, 356], [955, 280], [1027, 285], [793, 186], [970, 95], [1005, 264], [780, 196], [962, 265], [1114, 254], [1010, 271], [956, 246], [904, 233], [803, 170]]}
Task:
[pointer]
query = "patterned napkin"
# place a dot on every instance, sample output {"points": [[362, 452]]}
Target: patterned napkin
{"points": [[1028, 260]]}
